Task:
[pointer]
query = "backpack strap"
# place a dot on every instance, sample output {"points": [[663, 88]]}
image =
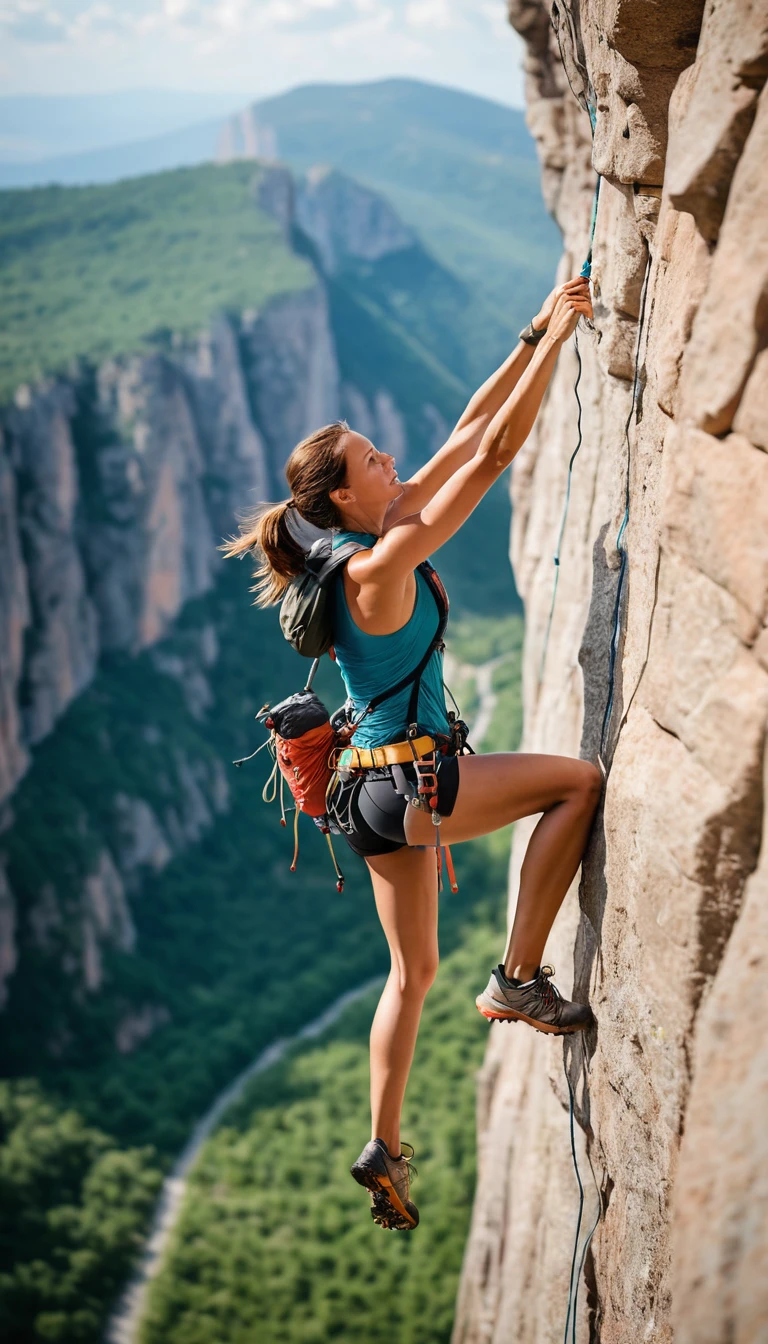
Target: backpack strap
{"points": [[323, 561], [441, 602], [337, 559]]}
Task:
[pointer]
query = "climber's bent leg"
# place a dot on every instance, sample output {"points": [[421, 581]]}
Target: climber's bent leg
{"points": [[503, 787], [405, 889]]}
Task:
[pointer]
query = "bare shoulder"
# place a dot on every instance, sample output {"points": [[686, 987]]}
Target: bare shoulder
{"points": [[389, 559]]}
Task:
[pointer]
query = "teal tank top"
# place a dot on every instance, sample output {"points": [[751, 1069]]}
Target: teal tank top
{"points": [[370, 663]]}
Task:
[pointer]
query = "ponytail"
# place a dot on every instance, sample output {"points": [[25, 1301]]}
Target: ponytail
{"points": [[266, 530]]}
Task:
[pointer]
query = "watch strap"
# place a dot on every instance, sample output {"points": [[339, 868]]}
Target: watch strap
{"points": [[531, 335]]}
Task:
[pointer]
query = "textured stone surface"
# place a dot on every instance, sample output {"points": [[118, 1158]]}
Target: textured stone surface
{"points": [[717, 1271], [731, 67], [292, 373], [666, 932]]}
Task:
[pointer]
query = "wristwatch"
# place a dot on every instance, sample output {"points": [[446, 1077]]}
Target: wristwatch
{"points": [[530, 335]]}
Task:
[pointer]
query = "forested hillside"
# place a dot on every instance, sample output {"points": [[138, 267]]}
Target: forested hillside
{"points": [[459, 169]]}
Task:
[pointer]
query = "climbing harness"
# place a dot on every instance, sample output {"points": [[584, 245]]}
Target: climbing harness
{"points": [[426, 768], [421, 749]]}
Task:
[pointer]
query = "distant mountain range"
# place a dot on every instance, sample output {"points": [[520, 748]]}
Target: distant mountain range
{"points": [[35, 127], [459, 169]]}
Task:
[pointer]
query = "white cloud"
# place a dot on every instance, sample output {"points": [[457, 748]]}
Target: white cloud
{"points": [[363, 30], [433, 14], [32, 21], [263, 46]]}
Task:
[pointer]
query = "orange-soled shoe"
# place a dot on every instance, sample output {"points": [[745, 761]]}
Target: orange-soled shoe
{"points": [[388, 1179], [537, 1002]]}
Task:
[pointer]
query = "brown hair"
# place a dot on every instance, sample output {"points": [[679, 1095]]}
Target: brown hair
{"points": [[315, 467]]}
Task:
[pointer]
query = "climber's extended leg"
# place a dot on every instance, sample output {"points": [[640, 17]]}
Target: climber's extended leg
{"points": [[502, 787], [405, 889]]}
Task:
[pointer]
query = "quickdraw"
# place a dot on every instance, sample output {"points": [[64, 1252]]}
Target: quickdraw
{"points": [[426, 796]]}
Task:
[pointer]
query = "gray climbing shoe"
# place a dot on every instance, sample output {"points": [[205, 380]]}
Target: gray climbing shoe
{"points": [[536, 1001], [388, 1179]]}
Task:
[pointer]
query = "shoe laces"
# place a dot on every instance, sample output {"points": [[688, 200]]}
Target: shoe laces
{"points": [[545, 989], [409, 1161]]}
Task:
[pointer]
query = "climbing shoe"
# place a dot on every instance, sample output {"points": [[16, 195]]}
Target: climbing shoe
{"points": [[535, 1001], [388, 1179]]}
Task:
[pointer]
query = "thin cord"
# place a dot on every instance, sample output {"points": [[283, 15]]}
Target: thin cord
{"points": [[575, 1277], [563, 520], [620, 544], [571, 1314], [586, 271]]}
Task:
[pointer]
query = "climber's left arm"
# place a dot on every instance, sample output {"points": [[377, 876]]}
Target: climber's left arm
{"points": [[468, 432]]}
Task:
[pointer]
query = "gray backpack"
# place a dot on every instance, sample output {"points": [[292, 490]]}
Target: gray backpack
{"points": [[305, 618]]}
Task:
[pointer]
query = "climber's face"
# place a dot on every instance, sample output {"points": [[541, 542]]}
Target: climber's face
{"points": [[372, 479]]}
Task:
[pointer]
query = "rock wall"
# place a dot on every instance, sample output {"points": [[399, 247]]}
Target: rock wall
{"points": [[666, 932]]}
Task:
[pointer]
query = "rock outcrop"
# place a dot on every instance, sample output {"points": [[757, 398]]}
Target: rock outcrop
{"points": [[666, 934], [345, 220]]}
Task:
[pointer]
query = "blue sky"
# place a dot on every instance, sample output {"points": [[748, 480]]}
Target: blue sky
{"points": [[255, 47]]}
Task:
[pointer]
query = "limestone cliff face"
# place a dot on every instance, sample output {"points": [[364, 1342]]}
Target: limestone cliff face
{"points": [[118, 484], [666, 934]]}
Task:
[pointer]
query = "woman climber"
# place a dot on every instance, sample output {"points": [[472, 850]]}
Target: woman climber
{"points": [[383, 612]]}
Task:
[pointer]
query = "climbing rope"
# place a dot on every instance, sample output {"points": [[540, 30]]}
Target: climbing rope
{"points": [[621, 545], [587, 103], [561, 533], [575, 1276]]}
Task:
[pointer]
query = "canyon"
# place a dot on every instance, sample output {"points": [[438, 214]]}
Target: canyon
{"points": [[119, 478]]}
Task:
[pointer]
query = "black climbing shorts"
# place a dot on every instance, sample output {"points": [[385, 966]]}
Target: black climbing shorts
{"points": [[370, 813]]}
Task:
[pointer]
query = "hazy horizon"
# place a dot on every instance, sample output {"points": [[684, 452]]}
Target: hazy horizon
{"points": [[211, 47]]}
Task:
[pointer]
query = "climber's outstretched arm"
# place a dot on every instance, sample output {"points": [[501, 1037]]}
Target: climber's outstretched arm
{"points": [[467, 435], [411, 540]]}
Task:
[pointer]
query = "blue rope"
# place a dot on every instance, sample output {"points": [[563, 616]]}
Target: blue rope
{"points": [[575, 1276], [586, 269], [620, 543]]}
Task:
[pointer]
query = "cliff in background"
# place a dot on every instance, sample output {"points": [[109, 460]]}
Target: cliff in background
{"points": [[667, 934]]}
